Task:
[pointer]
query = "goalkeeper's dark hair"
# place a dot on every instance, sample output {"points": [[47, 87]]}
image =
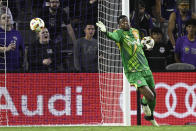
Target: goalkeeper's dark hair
{"points": [[120, 17]]}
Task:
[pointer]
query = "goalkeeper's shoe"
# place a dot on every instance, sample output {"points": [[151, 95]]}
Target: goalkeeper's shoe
{"points": [[152, 120], [146, 109]]}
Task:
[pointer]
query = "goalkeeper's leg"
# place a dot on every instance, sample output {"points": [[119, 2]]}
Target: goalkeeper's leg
{"points": [[148, 103], [148, 100], [142, 81], [149, 97]]}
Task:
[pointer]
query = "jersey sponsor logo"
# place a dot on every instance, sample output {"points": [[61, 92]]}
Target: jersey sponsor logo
{"points": [[193, 51], [162, 50], [139, 82], [186, 50], [136, 42], [129, 43]]}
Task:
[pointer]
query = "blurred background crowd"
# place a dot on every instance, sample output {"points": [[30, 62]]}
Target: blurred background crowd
{"points": [[69, 41]]}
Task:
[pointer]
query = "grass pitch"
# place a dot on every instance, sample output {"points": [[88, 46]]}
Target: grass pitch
{"points": [[102, 128]]}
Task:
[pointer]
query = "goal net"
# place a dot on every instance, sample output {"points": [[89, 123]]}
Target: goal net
{"points": [[110, 66], [69, 97]]}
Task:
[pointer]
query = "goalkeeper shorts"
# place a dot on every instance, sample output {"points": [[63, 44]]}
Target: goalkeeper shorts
{"points": [[141, 78]]}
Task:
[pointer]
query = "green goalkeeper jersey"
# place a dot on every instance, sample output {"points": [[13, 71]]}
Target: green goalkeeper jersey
{"points": [[131, 51]]}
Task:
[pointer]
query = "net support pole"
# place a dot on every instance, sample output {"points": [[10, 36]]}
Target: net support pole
{"points": [[126, 85], [138, 108]]}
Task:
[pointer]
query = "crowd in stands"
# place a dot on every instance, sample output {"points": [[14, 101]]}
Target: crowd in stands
{"points": [[68, 43], [172, 24]]}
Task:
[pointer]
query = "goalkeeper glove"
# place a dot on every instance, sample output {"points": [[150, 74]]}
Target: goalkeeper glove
{"points": [[101, 26]]}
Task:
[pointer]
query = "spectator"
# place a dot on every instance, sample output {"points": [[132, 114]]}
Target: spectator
{"points": [[12, 42], [177, 19], [85, 11], [141, 20], [56, 21], [160, 49], [150, 6], [85, 51], [3, 9], [164, 8], [160, 9], [185, 50], [160, 54], [43, 54]]}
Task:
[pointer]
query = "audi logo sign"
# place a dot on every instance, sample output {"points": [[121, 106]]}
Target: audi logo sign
{"points": [[68, 98], [171, 109]]}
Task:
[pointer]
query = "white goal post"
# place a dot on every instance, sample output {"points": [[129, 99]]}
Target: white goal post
{"points": [[126, 85]]}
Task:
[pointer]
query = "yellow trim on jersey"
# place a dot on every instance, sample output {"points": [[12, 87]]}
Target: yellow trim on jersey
{"points": [[135, 34], [115, 30], [133, 84], [118, 44], [135, 48]]}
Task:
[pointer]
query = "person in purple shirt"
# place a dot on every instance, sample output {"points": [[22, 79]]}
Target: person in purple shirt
{"points": [[177, 19], [11, 43], [185, 50], [141, 20]]}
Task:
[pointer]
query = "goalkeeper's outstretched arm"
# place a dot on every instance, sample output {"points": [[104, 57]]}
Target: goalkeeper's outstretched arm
{"points": [[111, 35]]}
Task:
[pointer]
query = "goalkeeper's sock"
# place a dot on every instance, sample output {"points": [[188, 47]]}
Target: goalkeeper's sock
{"points": [[152, 120], [148, 118], [146, 109], [151, 104]]}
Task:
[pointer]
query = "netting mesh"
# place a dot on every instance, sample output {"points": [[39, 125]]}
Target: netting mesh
{"points": [[108, 14], [83, 98], [40, 98], [110, 65]]}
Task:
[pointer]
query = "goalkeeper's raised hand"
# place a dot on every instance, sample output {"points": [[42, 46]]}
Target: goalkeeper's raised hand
{"points": [[101, 26]]}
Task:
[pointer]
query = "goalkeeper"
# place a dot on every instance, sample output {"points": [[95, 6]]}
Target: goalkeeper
{"points": [[135, 64]]}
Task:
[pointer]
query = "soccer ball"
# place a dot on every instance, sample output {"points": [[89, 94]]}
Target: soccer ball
{"points": [[148, 42], [36, 24]]}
